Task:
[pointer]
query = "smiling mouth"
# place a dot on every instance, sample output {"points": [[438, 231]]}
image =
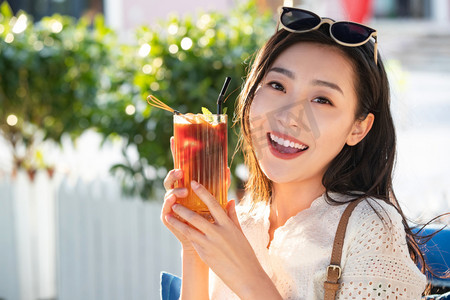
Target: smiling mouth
{"points": [[285, 146]]}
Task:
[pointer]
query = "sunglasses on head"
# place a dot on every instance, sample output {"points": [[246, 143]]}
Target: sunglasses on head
{"points": [[346, 33]]}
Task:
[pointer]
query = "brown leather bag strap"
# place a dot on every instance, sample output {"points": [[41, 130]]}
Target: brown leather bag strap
{"points": [[334, 269]]}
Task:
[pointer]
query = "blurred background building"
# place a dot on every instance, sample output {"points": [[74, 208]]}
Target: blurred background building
{"points": [[80, 239], [126, 15]]}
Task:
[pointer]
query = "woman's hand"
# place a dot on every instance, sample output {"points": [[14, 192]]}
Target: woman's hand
{"points": [[223, 246], [195, 273], [170, 199]]}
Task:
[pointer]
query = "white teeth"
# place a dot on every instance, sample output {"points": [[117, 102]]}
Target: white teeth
{"points": [[287, 143]]}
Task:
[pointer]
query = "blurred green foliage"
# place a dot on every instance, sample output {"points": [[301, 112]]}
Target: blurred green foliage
{"points": [[50, 75], [71, 76]]}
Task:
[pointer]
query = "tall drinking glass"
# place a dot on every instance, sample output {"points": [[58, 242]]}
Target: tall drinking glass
{"points": [[201, 152]]}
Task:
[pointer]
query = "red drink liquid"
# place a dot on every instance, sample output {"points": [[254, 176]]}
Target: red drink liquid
{"points": [[201, 152]]}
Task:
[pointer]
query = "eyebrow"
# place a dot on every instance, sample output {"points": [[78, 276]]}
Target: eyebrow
{"points": [[328, 84], [318, 82], [283, 71]]}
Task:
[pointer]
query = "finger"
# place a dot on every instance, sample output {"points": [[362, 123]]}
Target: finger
{"points": [[188, 231], [170, 199], [231, 212], [167, 213], [167, 206], [178, 192], [192, 218], [213, 205], [171, 177]]}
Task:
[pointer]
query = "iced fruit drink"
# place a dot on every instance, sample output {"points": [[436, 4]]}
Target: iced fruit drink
{"points": [[201, 152]]}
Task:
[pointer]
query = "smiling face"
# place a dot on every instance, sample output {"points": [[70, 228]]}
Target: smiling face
{"points": [[303, 113]]}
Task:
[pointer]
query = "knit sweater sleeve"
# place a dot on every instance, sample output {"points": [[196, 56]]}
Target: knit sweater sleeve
{"points": [[376, 263]]}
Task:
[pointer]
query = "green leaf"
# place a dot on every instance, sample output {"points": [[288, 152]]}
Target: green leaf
{"points": [[6, 10], [225, 110]]}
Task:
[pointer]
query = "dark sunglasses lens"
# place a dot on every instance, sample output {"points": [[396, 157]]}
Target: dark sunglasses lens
{"points": [[299, 20], [350, 33]]}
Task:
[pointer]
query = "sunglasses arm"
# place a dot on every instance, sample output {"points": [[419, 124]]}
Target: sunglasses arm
{"points": [[278, 25], [375, 50]]}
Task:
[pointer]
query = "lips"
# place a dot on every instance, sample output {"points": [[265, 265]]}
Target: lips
{"points": [[284, 146]]}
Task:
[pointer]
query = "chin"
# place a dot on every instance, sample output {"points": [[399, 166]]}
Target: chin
{"points": [[277, 176]]}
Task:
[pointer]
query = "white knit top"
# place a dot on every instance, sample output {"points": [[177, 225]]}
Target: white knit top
{"points": [[375, 259]]}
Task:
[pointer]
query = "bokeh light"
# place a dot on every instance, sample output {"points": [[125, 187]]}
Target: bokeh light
{"points": [[157, 62], [11, 120], [21, 24], [38, 46], [204, 21], [147, 69], [173, 48], [130, 109], [9, 38], [172, 29], [154, 86], [210, 33], [144, 50], [186, 43], [56, 26]]}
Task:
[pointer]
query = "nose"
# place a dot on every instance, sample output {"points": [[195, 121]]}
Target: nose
{"points": [[287, 119]]}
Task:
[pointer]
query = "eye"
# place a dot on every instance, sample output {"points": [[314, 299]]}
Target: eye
{"points": [[322, 100], [277, 86]]}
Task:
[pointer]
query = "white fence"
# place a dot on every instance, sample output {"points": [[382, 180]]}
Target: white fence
{"points": [[80, 241]]}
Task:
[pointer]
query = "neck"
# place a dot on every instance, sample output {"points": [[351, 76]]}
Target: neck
{"points": [[288, 199]]}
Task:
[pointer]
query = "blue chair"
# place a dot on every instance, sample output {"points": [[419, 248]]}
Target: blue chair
{"points": [[437, 254], [445, 296], [170, 286]]}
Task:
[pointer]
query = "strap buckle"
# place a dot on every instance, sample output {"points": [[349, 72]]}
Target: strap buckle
{"points": [[334, 267]]}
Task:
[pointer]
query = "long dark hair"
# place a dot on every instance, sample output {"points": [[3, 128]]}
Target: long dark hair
{"points": [[360, 171]]}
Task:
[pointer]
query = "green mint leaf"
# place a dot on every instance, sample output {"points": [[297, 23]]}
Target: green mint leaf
{"points": [[225, 110]]}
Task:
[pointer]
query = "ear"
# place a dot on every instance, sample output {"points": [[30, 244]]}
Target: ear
{"points": [[360, 129]]}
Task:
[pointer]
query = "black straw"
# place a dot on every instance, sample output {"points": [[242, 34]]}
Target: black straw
{"points": [[221, 95]]}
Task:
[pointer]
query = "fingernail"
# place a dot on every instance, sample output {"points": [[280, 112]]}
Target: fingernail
{"points": [[178, 173], [194, 184], [169, 218], [175, 206]]}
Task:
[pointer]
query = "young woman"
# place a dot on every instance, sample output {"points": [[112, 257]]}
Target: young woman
{"points": [[317, 134]]}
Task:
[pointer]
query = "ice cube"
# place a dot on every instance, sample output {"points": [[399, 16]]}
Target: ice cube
{"points": [[188, 118], [201, 119]]}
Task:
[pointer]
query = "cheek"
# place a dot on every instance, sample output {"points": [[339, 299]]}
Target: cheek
{"points": [[334, 132], [258, 125], [258, 111], [257, 106]]}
